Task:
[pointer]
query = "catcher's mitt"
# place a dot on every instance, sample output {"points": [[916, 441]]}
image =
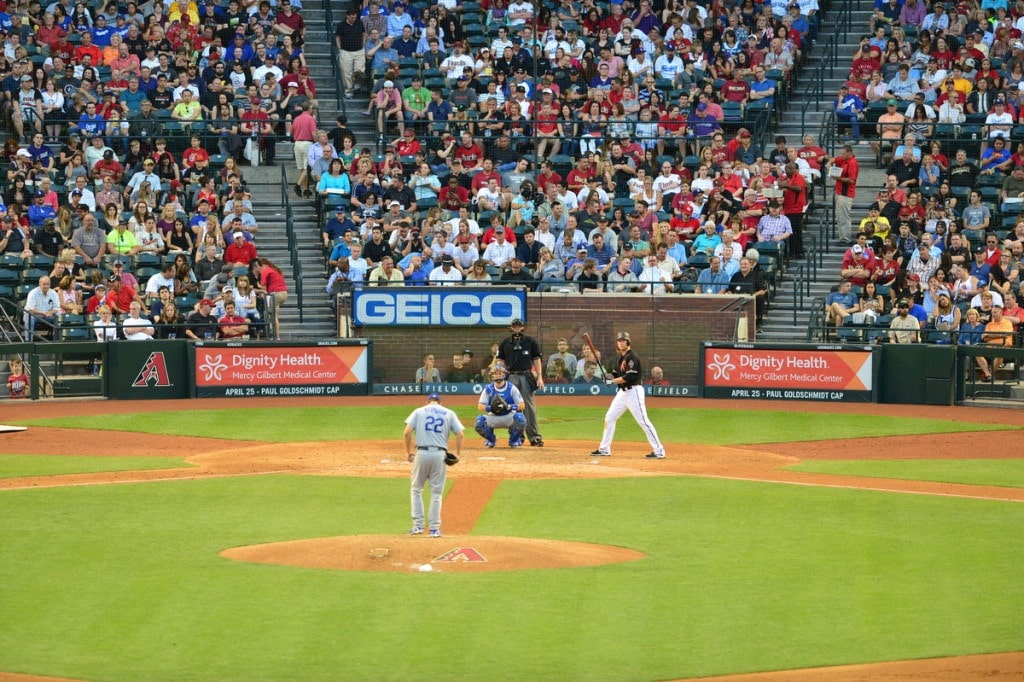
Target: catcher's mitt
{"points": [[498, 406], [450, 458]]}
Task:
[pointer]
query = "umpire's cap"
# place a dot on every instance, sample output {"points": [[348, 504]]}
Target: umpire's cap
{"points": [[515, 322], [436, 397], [624, 336]]}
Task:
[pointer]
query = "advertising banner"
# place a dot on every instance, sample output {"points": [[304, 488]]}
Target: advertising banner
{"points": [[411, 388], [826, 373], [239, 370], [438, 306]]}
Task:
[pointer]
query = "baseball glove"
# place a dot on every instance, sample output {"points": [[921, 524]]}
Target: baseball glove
{"points": [[498, 406], [450, 458]]}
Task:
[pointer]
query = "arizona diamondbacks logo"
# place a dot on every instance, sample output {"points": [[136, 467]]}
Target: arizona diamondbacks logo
{"points": [[460, 554], [154, 373]]}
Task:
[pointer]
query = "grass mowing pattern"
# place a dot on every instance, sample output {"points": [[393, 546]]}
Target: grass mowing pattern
{"points": [[13, 466], [711, 426], [999, 472], [740, 576]]}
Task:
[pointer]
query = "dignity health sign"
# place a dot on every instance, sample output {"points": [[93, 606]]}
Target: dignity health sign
{"points": [[239, 370], [824, 373], [438, 306]]}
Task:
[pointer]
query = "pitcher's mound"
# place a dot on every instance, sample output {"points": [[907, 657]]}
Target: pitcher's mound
{"points": [[448, 554]]}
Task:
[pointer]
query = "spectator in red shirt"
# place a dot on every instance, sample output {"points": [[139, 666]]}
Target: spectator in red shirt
{"points": [[857, 266], [453, 197], [240, 251], [470, 153], [87, 48], [195, 153], [120, 296]]}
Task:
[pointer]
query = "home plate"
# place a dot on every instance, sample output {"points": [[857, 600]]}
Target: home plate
{"points": [[12, 429]]}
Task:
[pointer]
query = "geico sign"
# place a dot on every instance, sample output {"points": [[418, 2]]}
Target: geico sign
{"points": [[436, 308]]}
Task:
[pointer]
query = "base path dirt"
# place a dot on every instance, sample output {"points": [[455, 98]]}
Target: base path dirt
{"points": [[478, 475]]}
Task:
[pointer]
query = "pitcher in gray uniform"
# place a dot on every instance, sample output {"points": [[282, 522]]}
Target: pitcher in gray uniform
{"points": [[433, 424]]}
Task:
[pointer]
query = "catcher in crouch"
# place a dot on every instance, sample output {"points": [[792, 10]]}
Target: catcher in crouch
{"points": [[501, 405]]}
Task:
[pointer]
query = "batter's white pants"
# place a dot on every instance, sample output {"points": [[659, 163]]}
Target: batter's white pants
{"points": [[428, 465], [631, 399]]}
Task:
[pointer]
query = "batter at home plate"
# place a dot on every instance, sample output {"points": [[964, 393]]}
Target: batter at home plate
{"points": [[626, 378]]}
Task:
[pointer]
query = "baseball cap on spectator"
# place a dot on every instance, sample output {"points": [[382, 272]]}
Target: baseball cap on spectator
{"points": [[464, 239], [903, 303], [670, 47], [26, 78], [914, 278], [409, 132], [891, 103], [293, 84], [206, 301], [581, 249], [303, 70], [395, 203], [743, 133], [702, 107], [25, 153], [602, 218], [238, 235], [114, 278], [627, 246], [944, 292], [389, 84], [76, 192], [857, 248], [40, 194], [499, 230], [339, 209], [447, 260]]}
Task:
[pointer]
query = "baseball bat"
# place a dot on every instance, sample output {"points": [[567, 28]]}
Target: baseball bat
{"points": [[590, 344]]}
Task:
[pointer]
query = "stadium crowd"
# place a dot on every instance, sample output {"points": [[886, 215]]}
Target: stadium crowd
{"points": [[128, 126], [936, 89], [568, 146]]}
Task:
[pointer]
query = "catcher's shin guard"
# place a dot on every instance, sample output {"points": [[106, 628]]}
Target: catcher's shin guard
{"points": [[483, 429], [517, 430]]}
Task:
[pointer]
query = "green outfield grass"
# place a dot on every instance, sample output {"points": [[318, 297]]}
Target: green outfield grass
{"points": [[712, 426], [1001, 472], [12, 466], [124, 582]]}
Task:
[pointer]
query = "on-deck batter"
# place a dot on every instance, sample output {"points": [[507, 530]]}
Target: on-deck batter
{"points": [[630, 396], [432, 424]]}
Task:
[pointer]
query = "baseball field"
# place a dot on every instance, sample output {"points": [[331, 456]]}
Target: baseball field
{"points": [[266, 540]]}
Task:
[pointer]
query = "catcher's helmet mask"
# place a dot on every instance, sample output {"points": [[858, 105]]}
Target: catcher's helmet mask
{"points": [[499, 373]]}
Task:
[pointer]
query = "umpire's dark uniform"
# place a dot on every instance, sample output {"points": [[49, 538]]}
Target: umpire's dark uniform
{"points": [[522, 357]]}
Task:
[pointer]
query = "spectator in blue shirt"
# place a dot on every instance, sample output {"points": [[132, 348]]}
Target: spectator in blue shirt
{"points": [[91, 124], [848, 109]]}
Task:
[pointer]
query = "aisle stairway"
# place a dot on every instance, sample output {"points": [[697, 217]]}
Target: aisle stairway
{"points": [[809, 113]]}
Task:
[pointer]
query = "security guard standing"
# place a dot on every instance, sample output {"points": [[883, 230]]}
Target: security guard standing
{"points": [[522, 357]]}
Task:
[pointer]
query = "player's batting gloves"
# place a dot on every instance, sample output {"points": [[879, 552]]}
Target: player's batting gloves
{"points": [[609, 382]]}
